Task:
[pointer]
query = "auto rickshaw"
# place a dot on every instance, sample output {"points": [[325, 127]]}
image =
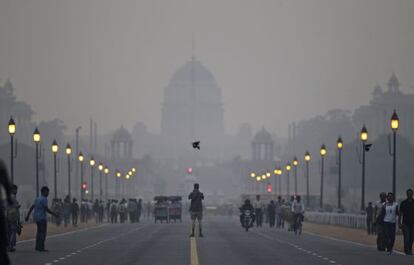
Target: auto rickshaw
{"points": [[175, 209], [161, 209]]}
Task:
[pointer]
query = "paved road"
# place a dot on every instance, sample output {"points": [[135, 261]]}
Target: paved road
{"points": [[225, 243]]}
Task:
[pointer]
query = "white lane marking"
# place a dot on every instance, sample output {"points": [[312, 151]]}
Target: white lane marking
{"points": [[103, 241], [298, 248], [348, 242], [63, 234]]}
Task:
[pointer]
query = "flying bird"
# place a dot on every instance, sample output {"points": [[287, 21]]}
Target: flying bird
{"points": [[196, 145]]}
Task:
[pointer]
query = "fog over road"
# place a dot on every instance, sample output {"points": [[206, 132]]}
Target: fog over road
{"points": [[224, 243]]}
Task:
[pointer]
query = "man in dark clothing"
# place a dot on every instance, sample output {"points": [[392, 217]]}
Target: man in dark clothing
{"points": [[196, 208], [13, 219], [407, 222], [74, 212], [40, 209], [379, 225], [4, 184], [271, 213], [370, 217]]}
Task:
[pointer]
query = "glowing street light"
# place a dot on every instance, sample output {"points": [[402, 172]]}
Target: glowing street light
{"points": [[81, 158], [36, 140], [308, 158], [55, 149], [12, 132], [395, 124], [295, 163], [323, 152], [68, 151], [339, 146]]}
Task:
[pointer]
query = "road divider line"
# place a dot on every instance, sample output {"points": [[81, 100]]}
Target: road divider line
{"points": [[194, 253]]}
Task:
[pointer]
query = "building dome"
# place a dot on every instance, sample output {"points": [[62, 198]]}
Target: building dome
{"points": [[122, 135], [263, 137], [193, 82]]}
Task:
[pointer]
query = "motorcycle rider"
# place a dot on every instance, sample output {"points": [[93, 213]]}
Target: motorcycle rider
{"points": [[247, 206]]}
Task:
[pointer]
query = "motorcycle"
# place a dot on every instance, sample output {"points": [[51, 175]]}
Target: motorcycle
{"points": [[247, 220]]}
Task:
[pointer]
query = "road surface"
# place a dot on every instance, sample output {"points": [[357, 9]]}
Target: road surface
{"points": [[224, 243]]}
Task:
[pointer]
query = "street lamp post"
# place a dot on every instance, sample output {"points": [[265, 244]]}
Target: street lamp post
{"points": [[307, 160], [339, 145], [395, 124], [100, 168], [92, 164], [81, 158], [364, 139], [251, 187], [68, 153], [118, 177], [36, 140], [288, 168], [55, 149], [12, 132], [106, 171], [323, 154], [295, 172], [76, 164]]}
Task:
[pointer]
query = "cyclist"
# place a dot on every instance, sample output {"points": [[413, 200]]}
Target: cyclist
{"points": [[298, 209]]}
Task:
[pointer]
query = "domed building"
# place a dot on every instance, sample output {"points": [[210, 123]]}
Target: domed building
{"points": [[121, 144], [192, 106]]}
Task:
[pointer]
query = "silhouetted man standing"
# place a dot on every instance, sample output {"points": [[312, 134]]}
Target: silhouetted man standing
{"points": [[196, 208], [4, 184], [406, 222]]}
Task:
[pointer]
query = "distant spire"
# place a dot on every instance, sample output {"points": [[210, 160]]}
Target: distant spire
{"points": [[193, 46]]}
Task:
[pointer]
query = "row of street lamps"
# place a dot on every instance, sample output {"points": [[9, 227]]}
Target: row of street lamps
{"points": [[68, 150], [394, 124]]}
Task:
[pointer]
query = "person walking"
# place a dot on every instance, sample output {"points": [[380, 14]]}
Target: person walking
{"points": [[74, 212], [13, 220], [6, 186], [196, 209], [379, 219], [67, 209], [258, 208], [406, 222], [390, 219], [370, 216], [271, 213], [40, 210]]}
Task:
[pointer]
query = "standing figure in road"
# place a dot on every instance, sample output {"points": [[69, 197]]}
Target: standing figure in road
{"points": [[407, 223], [13, 220], [40, 209], [4, 185], [370, 218], [258, 207], [379, 221], [67, 209], [139, 210], [196, 208], [390, 219], [271, 213], [298, 211], [74, 212], [279, 212]]}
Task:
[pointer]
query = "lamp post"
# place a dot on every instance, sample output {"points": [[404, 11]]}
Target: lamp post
{"points": [[339, 146], [323, 154], [280, 172], [92, 164], [288, 168], [118, 176], [55, 149], [81, 158], [295, 166], [68, 153], [100, 168], [12, 132], [307, 160], [251, 187], [36, 140], [364, 139], [395, 124], [106, 171]]}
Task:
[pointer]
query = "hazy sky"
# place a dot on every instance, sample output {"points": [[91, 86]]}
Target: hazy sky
{"points": [[276, 61]]}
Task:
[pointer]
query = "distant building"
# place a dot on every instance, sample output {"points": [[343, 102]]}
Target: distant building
{"points": [[21, 111], [376, 116]]}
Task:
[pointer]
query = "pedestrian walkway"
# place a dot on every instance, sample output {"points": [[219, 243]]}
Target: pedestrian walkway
{"points": [[349, 234], [29, 230]]}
